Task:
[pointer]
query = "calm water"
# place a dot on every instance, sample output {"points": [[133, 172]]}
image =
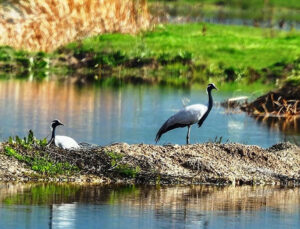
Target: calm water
{"points": [[130, 114], [66, 206]]}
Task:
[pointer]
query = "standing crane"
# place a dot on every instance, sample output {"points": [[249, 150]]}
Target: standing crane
{"points": [[188, 116]]}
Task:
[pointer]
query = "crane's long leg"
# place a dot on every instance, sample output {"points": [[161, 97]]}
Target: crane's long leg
{"points": [[188, 136]]}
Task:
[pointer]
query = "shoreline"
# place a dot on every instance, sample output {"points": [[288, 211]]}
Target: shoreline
{"points": [[109, 59], [208, 163]]}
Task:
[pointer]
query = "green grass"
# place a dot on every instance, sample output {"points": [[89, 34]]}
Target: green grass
{"points": [[231, 46], [185, 55], [30, 151], [40, 164], [293, 80], [120, 168], [178, 55]]}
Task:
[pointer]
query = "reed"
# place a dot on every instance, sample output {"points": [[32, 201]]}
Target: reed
{"points": [[277, 106], [45, 25]]}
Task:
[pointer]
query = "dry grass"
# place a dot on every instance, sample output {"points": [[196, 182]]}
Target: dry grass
{"points": [[273, 104], [45, 25], [278, 107]]}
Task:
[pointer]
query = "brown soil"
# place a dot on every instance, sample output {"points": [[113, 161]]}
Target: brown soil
{"points": [[171, 164]]}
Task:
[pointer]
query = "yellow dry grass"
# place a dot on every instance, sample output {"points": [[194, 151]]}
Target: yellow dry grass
{"points": [[47, 24]]}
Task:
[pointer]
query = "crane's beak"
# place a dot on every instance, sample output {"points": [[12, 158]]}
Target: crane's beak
{"points": [[61, 124]]}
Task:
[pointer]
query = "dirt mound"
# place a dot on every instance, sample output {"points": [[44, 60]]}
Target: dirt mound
{"points": [[174, 164]]}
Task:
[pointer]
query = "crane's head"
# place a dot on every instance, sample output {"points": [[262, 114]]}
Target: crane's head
{"points": [[56, 123], [210, 87]]}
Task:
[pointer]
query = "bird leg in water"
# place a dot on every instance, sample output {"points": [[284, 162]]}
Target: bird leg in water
{"points": [[188, 136]]}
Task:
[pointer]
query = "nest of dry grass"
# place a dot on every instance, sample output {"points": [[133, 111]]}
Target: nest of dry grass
{"points": [[45, 25]]}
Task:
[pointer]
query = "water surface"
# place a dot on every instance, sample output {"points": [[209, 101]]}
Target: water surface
{"points": [[131, 114], [70, 206]]}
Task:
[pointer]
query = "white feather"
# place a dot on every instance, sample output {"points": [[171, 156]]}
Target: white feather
{"points": [[65, 142], [188, 115]]}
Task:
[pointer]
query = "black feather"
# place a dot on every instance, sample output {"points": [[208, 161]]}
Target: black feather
{"points": [[202, 119], [165, 128]]}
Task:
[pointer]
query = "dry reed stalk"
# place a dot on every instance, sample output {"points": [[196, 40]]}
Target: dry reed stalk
{"points": [[278, 108], [45, 25]]}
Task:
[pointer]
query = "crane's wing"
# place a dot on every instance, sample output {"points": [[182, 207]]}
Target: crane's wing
{"points": [[185, 117], [66, 142]]}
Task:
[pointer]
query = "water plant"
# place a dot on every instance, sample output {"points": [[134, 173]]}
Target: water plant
{"points": [[27, 142]]}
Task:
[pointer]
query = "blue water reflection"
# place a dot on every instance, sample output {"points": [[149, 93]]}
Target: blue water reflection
{"points": [[130, 114], [63, 206]]}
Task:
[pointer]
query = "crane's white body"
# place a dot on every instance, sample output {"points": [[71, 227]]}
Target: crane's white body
{"points": [[65, 142], [189, 115]]}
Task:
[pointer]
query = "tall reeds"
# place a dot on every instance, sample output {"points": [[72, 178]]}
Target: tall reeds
{"points": [[47, 24]]}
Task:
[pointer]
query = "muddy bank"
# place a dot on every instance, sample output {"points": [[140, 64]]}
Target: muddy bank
{"points": [[284, 102], [171, 164]]}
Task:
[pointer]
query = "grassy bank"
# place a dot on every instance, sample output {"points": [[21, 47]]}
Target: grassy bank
{"points": [[178, 55]]}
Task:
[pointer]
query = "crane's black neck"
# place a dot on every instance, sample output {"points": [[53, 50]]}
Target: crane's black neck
{"points": [[53, 132], [210, 105], [210, 101], [52, 135]]}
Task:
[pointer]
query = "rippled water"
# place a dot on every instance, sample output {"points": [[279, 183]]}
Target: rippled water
{"points": [[69, 206], [130, 114]]}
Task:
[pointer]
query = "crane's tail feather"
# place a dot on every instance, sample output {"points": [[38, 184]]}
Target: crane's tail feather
{"points": [[159, 133], [167, 127]]}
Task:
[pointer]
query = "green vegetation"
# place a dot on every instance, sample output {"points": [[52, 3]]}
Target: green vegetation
{"points": [[22, 64], [230, 46], [293, 80], [120, 168], [24, 150], [185, 54], [27, 142], [178, 55]]}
